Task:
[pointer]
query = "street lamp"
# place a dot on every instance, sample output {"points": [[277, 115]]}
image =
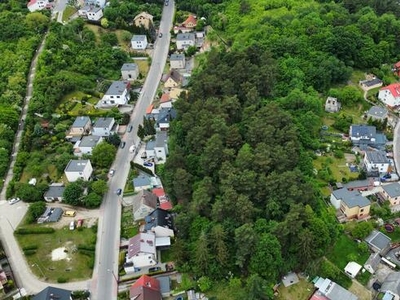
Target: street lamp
{"points": [[115, 277]]}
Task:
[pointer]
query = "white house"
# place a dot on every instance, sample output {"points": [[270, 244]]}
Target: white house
{"points": [[130, 71], [177, 61], [94, 14], [117, 94], [103, 127], [100, 3], [376, 161], [141, 251], [390, 95], [145, 202], [78, 169], [54, 193], [139, 42], [158, 148], [352, 269], [185, 40], [35, 5], [86, 145]]}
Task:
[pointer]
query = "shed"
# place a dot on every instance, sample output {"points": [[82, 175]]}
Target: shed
{"points": [[378, 241], [352, 269], [372, 263]]}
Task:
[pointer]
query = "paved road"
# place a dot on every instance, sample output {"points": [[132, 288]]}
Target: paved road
{"points": [[104, 284], [59, 8]]}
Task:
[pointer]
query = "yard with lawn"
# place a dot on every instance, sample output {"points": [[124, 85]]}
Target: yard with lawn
{"points": [[68, 12], [78, 103], [299, 291], [330, 167], [62, 256], [128, 227]]}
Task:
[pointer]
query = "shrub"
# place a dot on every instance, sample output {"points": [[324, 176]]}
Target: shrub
{"points": [[29, 252], [87, 247], [38, 230], [62, 280], [31, 247]]}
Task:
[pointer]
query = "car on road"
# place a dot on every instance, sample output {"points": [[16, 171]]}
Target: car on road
{"points": [[72, 225], [130, 128], [111, 173], [160, 35], [132, 148], [154, 269], [14, 200], [122, 145], [166, 3], [147, 164], [118, 192]]}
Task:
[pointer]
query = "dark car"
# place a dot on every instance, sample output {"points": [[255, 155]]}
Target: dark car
{"points": [[130, 128], [154, 269], [160, 35], [119, 192], [147, 164], [122, 145]]}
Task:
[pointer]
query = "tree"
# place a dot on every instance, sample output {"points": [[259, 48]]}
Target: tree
{"points": [[218, 237], [361, 230], [29, 193], [141, 132], [73, 193], [92, 200], [114, 139], [258, 289], [103, 155], [246, 241], [99, 187], [35, 210], [202, 254], [104, 23]]}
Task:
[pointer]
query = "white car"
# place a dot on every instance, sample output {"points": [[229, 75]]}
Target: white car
{"points": [[132, 148], [13, 201], [112, 172], [72, 225]]}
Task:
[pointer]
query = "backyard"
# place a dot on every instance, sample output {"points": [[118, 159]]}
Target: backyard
{"points": [[128, 227], [299, 291]]}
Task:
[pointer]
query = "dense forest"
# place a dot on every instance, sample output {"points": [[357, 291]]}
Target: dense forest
{"points": [[240, 166]]}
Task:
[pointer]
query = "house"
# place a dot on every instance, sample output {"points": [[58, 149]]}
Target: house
{"points": [[365, 136], [163, 201], [332, 105], [377, 113], [129, 71], [78, 169], [158, 149], [391, 192], [103, 127], [376, 162], [145, 288], [378, 242], [329, 290], [177, 61], [351, 203], [391, 285], [117, 94], [55, 192], [165, 285], [360, 185], [172, 79], [185, 40], [99, 3], [145, 203], [86, 145], [352, 269], [95, 13], [81, 126], [165, 101], [164, 118], [141, 252], [160, 222], [190, 22], [3, 280], [371, 265], [371, 83], [142, 182], [52, 293], [390, 95], [35, 5], [139, 42], [143, 19]]}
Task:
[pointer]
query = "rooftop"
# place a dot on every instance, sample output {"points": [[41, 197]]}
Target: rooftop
{"points": [[377, 111], [89, 141], [55, 191], [117, 88], [104, 122], [142, 243], [77, 165], [393, 88], [177, 57], [51, 293], [362, 130], [378, 240], [161, 139], [158, 217], [392, 189], [378, 157], [351, 198], [185, 37], [141, 181], [129, 67], [139, 38], [80, 122]]}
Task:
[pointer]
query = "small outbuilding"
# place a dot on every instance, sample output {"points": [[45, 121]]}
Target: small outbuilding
{"points": [[352, 269], [378, 242]]}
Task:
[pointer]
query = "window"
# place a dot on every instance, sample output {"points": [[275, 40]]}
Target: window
{"points": [[112, 97], [361, 215], [362, 209], [118, 97]]}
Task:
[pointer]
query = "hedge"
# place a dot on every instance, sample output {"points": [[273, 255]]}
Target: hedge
{"points": [[31, 247], [141, 168], [29, 252], [38, 230], [87, 247]]}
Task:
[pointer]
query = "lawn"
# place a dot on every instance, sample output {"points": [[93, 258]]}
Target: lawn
{"points": [[76, 265], [337, 167], [143, 65], [72, 105], [395, 235], [298, 291], [345, 248], [128, 228], [68, 12]]}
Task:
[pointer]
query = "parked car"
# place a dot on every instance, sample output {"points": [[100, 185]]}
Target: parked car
{"points": [[69, 213], [147, 164], [118, 192], [14, 200], [154, 269], [130, 128], [80, 223], [72, 225], [160, 35], [112, 172], [122, 145]]}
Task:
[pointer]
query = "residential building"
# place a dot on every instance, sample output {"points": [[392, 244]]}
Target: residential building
{"points": [[165, 285], [99, 3], [55, 192], [142, 182], [351, 203], [144, 204], [360, 185], [117, 94], [78, 169], [163, 200], [139, 42], [143, 19], [377, 113], [177, 61], [165, 101], [376, 162], [81, 126], [332, 105], [390, 95], [190, 22], [160, 222], [371, 83], [130, 71], [378, 242], [185, 40], [172, 79], [164, 117], [391, 285], [365, 136], [331, 290], [352, 269], [391, 193], [158, 148], [35, 5], [141, 251], [52, 293], [86, 145], [95, 14], [145, 288], [104, 127], [371, 265]]}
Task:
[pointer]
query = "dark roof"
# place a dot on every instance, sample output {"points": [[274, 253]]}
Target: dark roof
{"points": [[392, 189], [351, 198], [55, 191], [158, 217], [175, 76], [378, 240], [177, 57], [103, 122], [371, 82], [377, 157], [117, 88], [53, 293], [359, 131], [377, 111], [55, 215], [129, 67], [80, 121], [166, 115]]}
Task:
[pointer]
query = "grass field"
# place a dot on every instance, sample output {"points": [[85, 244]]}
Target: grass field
{"points": [[336, 165], [298, 291], [76, 266], [128, 228], [68, 12]]}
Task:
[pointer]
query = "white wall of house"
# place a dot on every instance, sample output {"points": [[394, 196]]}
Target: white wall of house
{"points": [[139, 45], [371, 166], [183, 44], [38, 5], [130, 75], [117, 99], [335, 202], [387, 98], [85, 174], [103, 131], [95, 15]]}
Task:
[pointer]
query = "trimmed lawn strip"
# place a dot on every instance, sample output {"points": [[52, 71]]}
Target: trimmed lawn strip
{"points": [[68, 12], [300, 291], [128, 227]]}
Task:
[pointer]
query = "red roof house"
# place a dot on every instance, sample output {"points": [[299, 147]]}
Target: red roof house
{"points": [[165, 98], [145, 288], [162, 198], [190, 22], [149, 109], [390, 95]]}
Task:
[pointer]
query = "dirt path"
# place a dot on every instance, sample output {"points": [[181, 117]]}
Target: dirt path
{"points": [[360, 291]]}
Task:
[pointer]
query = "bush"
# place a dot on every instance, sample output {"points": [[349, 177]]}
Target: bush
{"points": [[29, 252], [31, 247], [62, 280], [38, 230], [87, 247], [141, 168]]}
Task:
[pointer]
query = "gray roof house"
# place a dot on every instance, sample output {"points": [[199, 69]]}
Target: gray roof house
{"points": [[86, 144], [129, 71], [332, 290], [392, 189], [139, 42], [185, 40], [55, 192], [392, 284], [104, 127], [378, 242], [142, 182], [78, 169], [376, 162], [177, 61], [81, 126], [144, 205], [350, 204], [372, 263], [52, 293], [366, 136], [377, 113]]}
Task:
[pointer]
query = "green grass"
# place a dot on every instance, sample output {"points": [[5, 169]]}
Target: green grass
{"points": [[78, 267], [299, 291], [68, 12], [395, 235], [363, 278], [336, 165], [128, 228], [343, 248]]}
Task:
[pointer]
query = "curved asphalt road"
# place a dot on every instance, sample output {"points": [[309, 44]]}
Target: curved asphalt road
{"points": [[104, 284]]}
